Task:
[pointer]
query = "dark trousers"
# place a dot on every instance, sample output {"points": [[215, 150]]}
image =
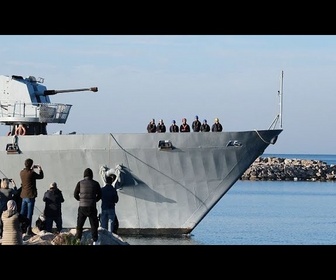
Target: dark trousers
{"points": [[50, 220], [1, 225], [92, 214]]}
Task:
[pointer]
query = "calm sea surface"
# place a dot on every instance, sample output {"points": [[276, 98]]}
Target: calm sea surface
{"points": [[266, 213]]}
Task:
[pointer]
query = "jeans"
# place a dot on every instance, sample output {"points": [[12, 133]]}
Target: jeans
{"points": [[107, 219], [27, 209]]}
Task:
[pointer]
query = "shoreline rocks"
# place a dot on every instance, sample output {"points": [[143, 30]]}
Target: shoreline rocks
{"points": [[67, 237], [283, 169]]}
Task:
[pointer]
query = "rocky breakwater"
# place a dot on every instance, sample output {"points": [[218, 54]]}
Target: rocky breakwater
{"points": [[283, 169]]}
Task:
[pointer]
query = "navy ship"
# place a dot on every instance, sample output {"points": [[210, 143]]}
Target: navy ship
{"points": [[167, 182]]}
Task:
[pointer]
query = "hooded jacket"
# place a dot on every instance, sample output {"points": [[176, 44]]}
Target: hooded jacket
{"points": [[87, 191], [12, 225]]}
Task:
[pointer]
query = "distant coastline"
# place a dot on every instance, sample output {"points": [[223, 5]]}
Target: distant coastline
{"points": [[328, 158], [295, 167]]}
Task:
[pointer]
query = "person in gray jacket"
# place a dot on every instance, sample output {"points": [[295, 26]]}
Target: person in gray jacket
{"points": [[88, 193]]}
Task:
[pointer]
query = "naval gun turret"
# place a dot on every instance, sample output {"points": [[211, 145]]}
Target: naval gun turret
{"points": [[25, 105]]}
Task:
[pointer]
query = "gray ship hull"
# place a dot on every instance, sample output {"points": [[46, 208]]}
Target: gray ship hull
{"points": [[170, 181]]}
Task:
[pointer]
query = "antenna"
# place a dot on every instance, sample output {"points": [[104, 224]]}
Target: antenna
{"points": [[279, 116], [281, 97]]}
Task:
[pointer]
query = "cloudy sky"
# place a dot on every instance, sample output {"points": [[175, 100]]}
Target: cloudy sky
{"points": [[233, 77]]}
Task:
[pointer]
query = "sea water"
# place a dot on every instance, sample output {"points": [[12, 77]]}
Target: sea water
{"points": [[266, 213]]}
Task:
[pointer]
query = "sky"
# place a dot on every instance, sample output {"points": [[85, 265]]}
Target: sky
{"points": [[235, 78]]}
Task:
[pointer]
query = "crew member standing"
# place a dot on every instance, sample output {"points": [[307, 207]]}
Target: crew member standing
{"points": [[205, 127], [196, 125], [151, 127], [161, 127], [216, 127], [174, 127], [184, 127]]}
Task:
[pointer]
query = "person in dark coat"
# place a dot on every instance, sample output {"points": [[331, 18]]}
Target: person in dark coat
{"points": [[109, 199], [217, 127], [205, 127], [28, 194], [174, 127], [151, 127], [88, 193], [53, 199], [161, 127], [196, 125]]}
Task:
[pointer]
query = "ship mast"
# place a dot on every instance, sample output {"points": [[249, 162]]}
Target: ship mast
{"points": [[281, 96], [279, 116]]}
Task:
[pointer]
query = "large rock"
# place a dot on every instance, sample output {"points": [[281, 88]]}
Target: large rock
{"points": [[67, 237]]}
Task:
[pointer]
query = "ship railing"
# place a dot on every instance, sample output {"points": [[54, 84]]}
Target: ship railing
{"points": [[13, 112]]}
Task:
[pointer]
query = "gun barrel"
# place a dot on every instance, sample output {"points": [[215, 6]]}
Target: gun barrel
{"points": [[52, 91]]}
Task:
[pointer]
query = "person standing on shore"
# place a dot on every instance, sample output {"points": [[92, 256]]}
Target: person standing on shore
{"points": [[53, 199], [6, 193], [28, 194], [109, 199], [88, 193], [13, 223]]}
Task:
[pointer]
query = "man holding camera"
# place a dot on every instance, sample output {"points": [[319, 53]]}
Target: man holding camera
{"points": [[28, 177]]}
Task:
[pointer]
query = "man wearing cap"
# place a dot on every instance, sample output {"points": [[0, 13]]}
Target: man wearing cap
{"points": [[53, 199], [174, 127], [205, 127], [196, 125]]}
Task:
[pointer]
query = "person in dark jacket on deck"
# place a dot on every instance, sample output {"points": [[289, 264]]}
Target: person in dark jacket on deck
{"points": [[88, 193], [217, 126], [174, 127], [196, 125], [161, 127], [205, 127], [151, 127]]}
